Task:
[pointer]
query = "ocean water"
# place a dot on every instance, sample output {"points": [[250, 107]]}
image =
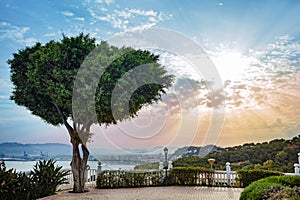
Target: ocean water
{"points": [[28, 165]]}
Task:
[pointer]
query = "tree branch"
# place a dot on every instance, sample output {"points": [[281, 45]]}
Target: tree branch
{"points": [[67, 125], [85, 152]]}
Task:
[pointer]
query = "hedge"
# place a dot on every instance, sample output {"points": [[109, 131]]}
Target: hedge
{"points": [[246, 177], [192, 175], [260, 188], [176, 176], [123, 179]]}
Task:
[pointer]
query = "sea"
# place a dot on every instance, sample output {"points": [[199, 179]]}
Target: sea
{"points": [[28, 165]]}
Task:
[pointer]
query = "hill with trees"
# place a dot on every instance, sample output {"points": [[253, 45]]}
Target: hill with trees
{"points": [[278, 154], [195, 151]]}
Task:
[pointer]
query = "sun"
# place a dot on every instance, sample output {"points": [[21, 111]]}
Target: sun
{"points": [[231, 64]]}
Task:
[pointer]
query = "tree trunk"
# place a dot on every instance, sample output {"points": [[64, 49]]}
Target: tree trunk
{"points": [[78, 166]]}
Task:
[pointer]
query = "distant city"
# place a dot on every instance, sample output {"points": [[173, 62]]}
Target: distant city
{"points": [[13, 151]]}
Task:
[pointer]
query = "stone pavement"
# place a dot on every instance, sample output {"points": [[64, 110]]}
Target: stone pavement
{"points": [[154, 193]]}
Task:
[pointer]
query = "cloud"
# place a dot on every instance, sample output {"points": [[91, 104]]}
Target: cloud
{"points": [[79, 18], [3, 97], [15, 33], [67, 13], [221, 4], [143, 12], [264, 102], [263, 75], [5, 85], [128, 19], [104, 1], [49, 35]]}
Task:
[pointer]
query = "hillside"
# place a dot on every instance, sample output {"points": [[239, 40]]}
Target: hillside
{"points": [[195, 151], [278, 154], [182, 152], [17, 149]]}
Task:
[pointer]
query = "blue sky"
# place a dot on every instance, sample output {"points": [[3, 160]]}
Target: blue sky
{"points": [[243, 36]]}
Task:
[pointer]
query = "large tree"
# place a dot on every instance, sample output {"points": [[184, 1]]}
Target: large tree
{"points": [[44, 77]]}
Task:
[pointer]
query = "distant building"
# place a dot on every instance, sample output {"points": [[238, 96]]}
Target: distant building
{"points": [[42, 156], [25, 155], [2, 155]]}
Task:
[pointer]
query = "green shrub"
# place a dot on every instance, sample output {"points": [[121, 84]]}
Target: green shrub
{"points": [[192, 175], [274, 193], [41, 182], [46, 177], [147, 166], [15, 185], [116, 179], [246, 177], [259, 189]]}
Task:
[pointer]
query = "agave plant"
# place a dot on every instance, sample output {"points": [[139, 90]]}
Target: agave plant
{"points": [[46, 177]]}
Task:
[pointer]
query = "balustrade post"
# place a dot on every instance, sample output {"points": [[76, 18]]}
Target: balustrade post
{"points": [[161, 166], [228, 173], [296, 169], [99, 168], [170, 164]]}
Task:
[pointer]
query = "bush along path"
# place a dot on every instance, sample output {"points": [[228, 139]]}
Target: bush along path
{"points": [[274, 187], [42, 181]]}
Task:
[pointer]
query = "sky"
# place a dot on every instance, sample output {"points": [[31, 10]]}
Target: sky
{"points": [[254, 45]]}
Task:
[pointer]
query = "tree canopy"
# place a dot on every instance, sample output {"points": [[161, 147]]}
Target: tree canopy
{"points": [[44, 75]]}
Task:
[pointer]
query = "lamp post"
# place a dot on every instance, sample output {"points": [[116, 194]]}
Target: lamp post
{"points": [[211, 161], [166, 162]]}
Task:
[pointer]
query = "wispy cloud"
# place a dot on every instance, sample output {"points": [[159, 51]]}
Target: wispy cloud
{"points": [[79, 18], [49, 35], [15, 33], [67, 13], [128, 19], [104, 1], [5, 85], [3, 97]]}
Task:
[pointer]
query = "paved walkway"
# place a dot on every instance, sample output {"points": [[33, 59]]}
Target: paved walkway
{"points": [[154, 193]]}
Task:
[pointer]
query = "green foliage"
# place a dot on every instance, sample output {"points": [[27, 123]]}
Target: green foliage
{"points": [[147, 166], [15, 185], [177, 176], [124, 79], [260, 189], [278, 155], [190, 161], [116, 179], [46, 177], [248, 176], [43, 76], [274, 193], [41, 182], [269, 164], [192, 175]]}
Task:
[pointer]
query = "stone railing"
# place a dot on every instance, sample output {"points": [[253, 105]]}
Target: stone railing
{"points": [[222, 178], [117, 178], [90, 181]]}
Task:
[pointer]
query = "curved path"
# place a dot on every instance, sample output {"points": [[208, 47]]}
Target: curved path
{"points": [[154, 193]]}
